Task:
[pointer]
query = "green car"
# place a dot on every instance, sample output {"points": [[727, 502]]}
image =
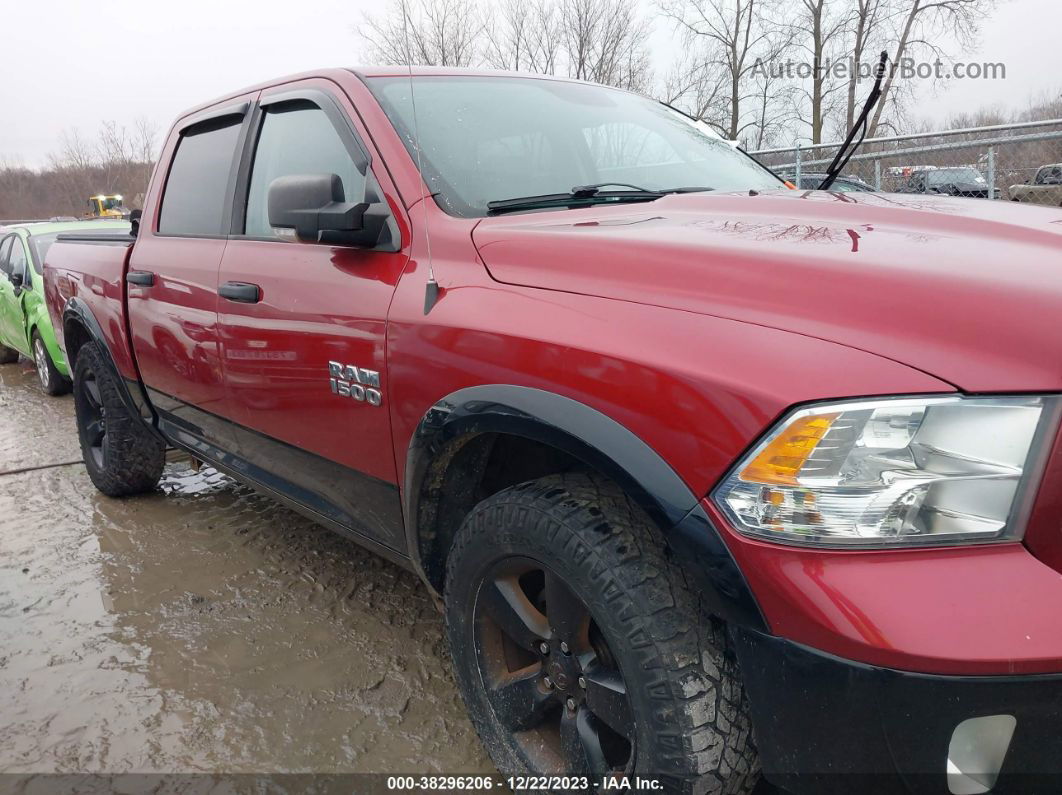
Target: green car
{"points": [[25, 327]]}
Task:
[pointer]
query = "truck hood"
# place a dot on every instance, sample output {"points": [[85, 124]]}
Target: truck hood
{"points": [[967, 290]]}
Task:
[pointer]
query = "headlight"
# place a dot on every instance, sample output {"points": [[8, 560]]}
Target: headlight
{"points": [[891, 472]]}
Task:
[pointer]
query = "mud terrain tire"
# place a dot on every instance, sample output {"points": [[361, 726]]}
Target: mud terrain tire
{"points": [[690, 716], [122, 456]]}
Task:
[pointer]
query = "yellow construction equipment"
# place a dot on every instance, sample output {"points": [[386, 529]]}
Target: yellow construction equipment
{"points": [[106, 207]]}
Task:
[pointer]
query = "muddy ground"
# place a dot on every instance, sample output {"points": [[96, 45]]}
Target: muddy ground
{"points": [[203, 628]]}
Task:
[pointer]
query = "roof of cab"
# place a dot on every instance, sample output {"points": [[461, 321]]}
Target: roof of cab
{"points": [[449, 71], [363, 73]]}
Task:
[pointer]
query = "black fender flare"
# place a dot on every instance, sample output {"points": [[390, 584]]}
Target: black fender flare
{"points": [[602, 444], [78, 312]]}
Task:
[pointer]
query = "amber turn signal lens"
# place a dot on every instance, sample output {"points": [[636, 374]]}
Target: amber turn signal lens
{"points": [[782, 459]]}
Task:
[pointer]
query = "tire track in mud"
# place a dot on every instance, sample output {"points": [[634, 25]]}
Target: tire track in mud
{"points": [[203, 628]]}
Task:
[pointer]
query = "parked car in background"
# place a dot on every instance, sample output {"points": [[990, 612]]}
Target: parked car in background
{"points": [[709, 475], [843, 184], [964, 181], [25, 327], [1045, 187]]}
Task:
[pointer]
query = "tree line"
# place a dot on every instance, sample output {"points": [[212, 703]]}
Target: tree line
{"points": [[722, 67], [117, 159]]}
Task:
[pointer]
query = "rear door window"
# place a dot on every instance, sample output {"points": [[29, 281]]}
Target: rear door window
{"points": [[197, 190], [296, 138]]}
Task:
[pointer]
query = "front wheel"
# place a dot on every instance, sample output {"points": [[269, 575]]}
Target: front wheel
{"points": [[580, 651], [52, 381], [122, 456]]}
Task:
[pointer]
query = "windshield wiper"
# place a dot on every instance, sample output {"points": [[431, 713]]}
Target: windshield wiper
{"points": [[844, 154], [585, 195]]}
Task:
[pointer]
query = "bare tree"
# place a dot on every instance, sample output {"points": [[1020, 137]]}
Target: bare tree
{"points": [[75, 151], [864, 24], [1045, 106], [919, 25], [775, 113], [523, 36], [116, 160], [425, 33], [698, 87], [818, 27], [605, 41], [733, 34], [145, 140]]}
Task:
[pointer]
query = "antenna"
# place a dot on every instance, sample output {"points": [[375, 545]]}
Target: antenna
{"points": [[431, 289]]}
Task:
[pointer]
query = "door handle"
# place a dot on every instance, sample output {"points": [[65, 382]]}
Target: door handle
{"points": [[143, 278], [242, 292]]}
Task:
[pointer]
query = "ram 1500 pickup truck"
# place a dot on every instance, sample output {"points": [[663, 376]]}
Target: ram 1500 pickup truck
{"points": [[712, 477]]}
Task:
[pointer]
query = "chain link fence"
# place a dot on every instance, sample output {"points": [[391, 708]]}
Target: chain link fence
{"points": [[1015, 162]]}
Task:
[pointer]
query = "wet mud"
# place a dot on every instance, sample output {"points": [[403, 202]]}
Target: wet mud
{"points": [[201, 629]]}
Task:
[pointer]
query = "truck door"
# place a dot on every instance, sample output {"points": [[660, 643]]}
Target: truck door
{"points": [[303, 325], [172, 277]]}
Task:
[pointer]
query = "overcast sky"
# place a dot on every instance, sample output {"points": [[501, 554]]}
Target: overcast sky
{"points": [[71, 63]]}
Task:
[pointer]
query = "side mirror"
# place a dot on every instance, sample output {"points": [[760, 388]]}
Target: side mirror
{"points": [[16, 280], [134, 222], [315, 206]]}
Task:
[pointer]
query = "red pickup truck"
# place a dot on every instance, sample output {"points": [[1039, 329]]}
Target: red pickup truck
{"points": [[712, 477]]}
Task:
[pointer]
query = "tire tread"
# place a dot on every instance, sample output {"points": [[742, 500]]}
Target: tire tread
{"points": [[701, 723], [135, 456]]}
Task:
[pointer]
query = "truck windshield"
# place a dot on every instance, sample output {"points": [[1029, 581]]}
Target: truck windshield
{"points": [[487, 139]]}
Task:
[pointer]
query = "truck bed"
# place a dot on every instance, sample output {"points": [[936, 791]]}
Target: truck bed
{"points": [[83, 272]]}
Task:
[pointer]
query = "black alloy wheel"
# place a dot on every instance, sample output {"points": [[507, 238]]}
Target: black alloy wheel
{"points": [[550, 676], [581, 651], [94, 420], [123, 455]]}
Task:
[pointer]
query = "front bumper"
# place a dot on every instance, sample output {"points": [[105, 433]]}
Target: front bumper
{"points": [[828, 725]]}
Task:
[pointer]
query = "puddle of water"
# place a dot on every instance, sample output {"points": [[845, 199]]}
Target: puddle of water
{"points": [[34, 429], [203, 628]]}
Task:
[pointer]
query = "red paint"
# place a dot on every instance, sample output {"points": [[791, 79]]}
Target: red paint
{"points": [[1043, 533], [695, 321], [960, 610], [965, 290], [96, 278], [696, 388], [319, 304], [174, 322]]}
